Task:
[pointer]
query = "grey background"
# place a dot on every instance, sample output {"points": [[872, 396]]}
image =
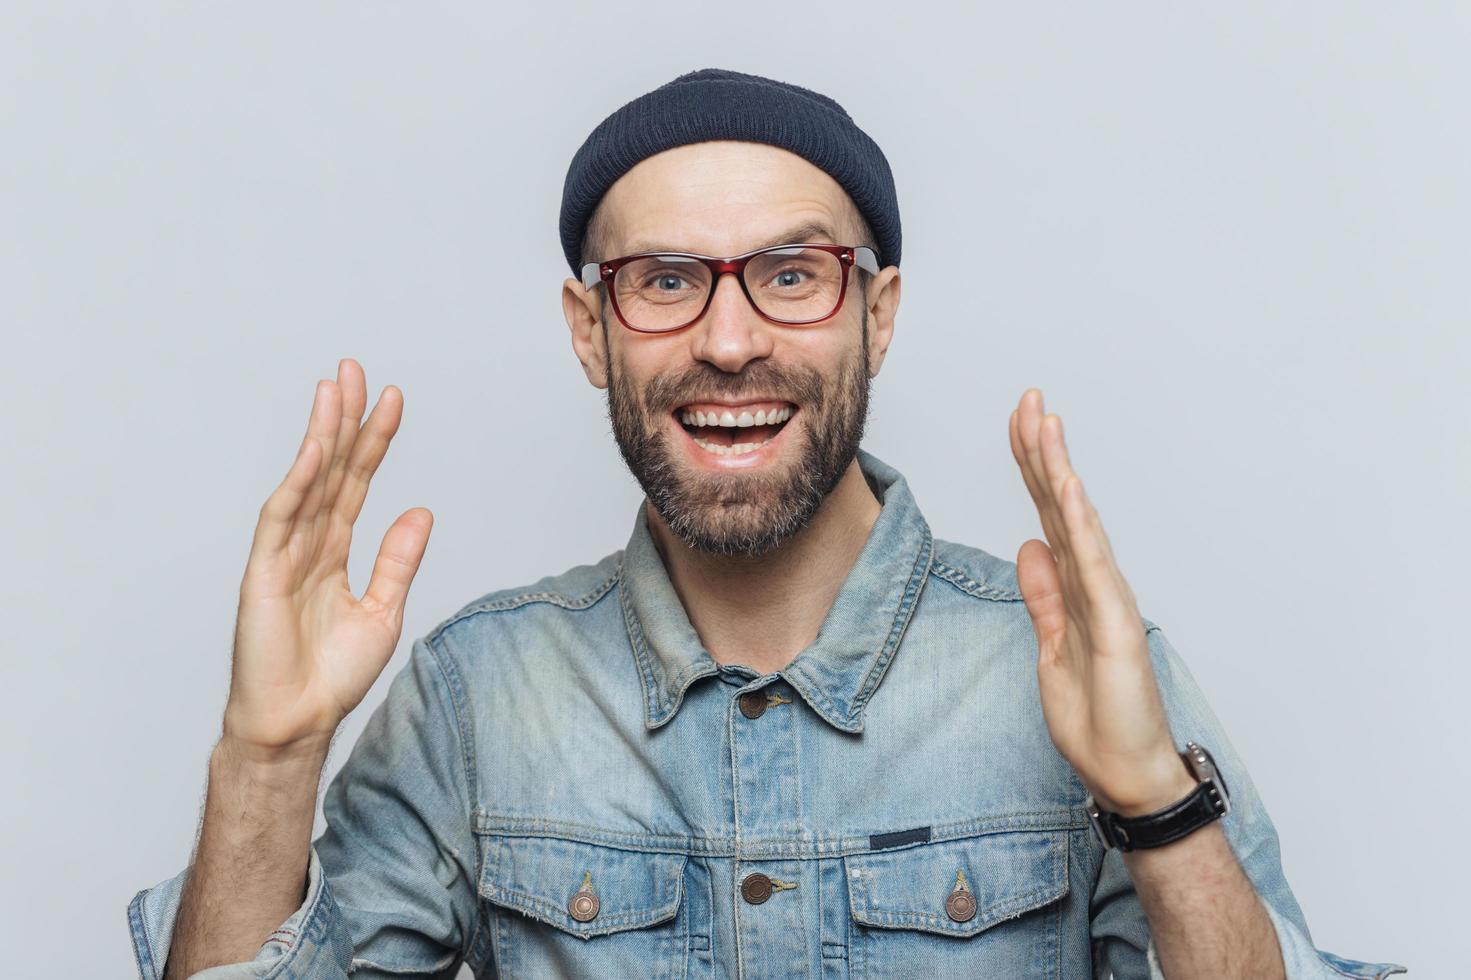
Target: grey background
{"points": [[1230, 247]]}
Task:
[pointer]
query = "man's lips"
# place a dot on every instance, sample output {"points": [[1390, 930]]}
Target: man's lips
{"points": [[723, 433]]}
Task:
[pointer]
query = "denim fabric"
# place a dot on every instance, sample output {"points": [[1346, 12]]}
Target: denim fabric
{"points": [[574, 735]]}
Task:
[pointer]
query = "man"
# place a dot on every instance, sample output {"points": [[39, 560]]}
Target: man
{"points": [[785, 731]]}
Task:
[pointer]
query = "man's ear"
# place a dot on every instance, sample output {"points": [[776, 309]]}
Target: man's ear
{"points": [[583, 309], [883, 305]]}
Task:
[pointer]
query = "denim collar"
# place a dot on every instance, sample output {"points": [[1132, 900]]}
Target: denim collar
{"points": [[840, 670]]}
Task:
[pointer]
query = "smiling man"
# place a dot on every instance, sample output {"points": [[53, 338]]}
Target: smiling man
{"points": [[785, 731]]}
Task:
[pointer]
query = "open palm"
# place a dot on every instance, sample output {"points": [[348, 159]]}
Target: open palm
{"points": [[1099, 696], [306, 649]]}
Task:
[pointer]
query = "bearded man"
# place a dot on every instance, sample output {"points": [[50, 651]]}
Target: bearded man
{"points": [[785, 731]]}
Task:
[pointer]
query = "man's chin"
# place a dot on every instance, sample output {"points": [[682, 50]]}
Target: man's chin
{"points": [[725, 534], [734, 512]]}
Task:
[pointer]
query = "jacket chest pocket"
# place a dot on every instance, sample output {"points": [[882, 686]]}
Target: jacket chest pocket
{"points": [[568, 908], [984, 906]]}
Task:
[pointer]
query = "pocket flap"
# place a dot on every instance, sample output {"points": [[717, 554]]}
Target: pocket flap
{"points": [[1009, 873], [540, 875]]}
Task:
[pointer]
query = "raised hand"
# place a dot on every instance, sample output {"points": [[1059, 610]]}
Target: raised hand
{"points": [[1099, 695], [306, 649]]}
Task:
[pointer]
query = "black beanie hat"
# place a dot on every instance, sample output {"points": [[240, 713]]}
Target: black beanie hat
{"points": [[713, 104]]}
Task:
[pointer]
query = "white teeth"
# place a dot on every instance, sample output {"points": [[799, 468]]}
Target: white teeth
{"points": [[738, 449], [730, 420]]}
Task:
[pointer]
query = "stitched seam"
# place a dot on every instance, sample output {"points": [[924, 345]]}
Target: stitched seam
{"points": [[970, 586], [656, 712], [907, 604], [812, 690], [359, 962], [458, 693], [996, 910], [989, 916], [481, 919], [139, 928], [1057, 931], [640, 652], [501, 825], [555, 912], [577, 603]]}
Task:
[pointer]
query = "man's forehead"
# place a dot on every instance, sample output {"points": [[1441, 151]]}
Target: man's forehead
{"points": [[725, 197], [812, 230]]}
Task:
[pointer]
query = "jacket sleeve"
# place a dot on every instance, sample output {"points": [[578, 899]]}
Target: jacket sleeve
{"points": [[1122, 944], [391, 882]]}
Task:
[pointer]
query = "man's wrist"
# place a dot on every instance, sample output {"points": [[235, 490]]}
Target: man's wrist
{"points": [[1168, 794], [1168, 782], [284, 767]]}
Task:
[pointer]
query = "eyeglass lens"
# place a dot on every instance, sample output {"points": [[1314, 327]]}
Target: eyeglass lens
{"points": [[663, 292]]}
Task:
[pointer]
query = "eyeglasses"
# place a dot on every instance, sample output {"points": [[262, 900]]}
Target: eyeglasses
{"points": [[656, 292]]}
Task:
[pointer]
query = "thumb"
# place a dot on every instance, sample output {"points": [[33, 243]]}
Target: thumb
{"points": [[1036, 574], [398, 561]]}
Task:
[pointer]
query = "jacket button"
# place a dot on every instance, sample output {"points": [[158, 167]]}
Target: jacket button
{"points": [[584, 904], [961, 905], [755, 888], [753, 703]]}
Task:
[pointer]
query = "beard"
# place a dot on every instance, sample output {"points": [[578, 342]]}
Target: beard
{"points": [[741, 513]]}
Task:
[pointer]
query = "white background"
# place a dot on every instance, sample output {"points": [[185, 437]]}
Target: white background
{"points": [[1230, 246]]}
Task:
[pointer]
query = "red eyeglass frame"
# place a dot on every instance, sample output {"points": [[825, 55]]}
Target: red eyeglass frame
{"points": [[848, 256]]}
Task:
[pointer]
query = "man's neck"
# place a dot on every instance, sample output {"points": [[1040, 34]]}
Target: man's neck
{"points": [[763, 611]]}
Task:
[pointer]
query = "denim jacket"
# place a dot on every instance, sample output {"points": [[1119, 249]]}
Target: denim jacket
{"points": [[562, 782]]}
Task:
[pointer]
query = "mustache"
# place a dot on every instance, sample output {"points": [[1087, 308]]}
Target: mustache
{"points": [[704, 382]]}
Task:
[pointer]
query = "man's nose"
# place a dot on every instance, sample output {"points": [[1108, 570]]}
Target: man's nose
{"points": [[731, 334]]}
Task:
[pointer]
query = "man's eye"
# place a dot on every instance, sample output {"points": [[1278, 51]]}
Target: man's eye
{"points": [[665, 281], [788, 278]]}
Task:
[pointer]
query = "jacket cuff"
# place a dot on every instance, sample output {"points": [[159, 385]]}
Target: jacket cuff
{"points": [[1300, 958], [310, 936]]}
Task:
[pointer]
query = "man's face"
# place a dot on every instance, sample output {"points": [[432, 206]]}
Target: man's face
{"points": [[744, 489]]}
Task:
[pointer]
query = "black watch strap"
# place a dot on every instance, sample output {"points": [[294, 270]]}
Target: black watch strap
{"points": [[1208, 801]]}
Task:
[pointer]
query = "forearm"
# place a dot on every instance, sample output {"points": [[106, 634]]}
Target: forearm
{"points": [[249, 870], [1204, 914]]}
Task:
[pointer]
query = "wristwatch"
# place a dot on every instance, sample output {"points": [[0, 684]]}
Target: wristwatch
{"points": [[1208, 801]]}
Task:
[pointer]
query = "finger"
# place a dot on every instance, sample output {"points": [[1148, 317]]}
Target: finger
{"points": [[1029, 417], [1019, 452], [397, 562], [1093, 563], [277, 514], [1056, 467], [1055, 462], [1086, 534], [367, 453], [1080, 536], [323, 428], [1096, 556], [1036, 487], [1042, 593], [353, 385]]}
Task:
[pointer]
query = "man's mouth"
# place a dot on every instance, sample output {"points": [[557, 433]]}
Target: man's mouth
{"points": [[734, 430]]}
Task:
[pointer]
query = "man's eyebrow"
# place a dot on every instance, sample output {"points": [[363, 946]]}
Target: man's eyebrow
{"points": [[811, 231]]}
